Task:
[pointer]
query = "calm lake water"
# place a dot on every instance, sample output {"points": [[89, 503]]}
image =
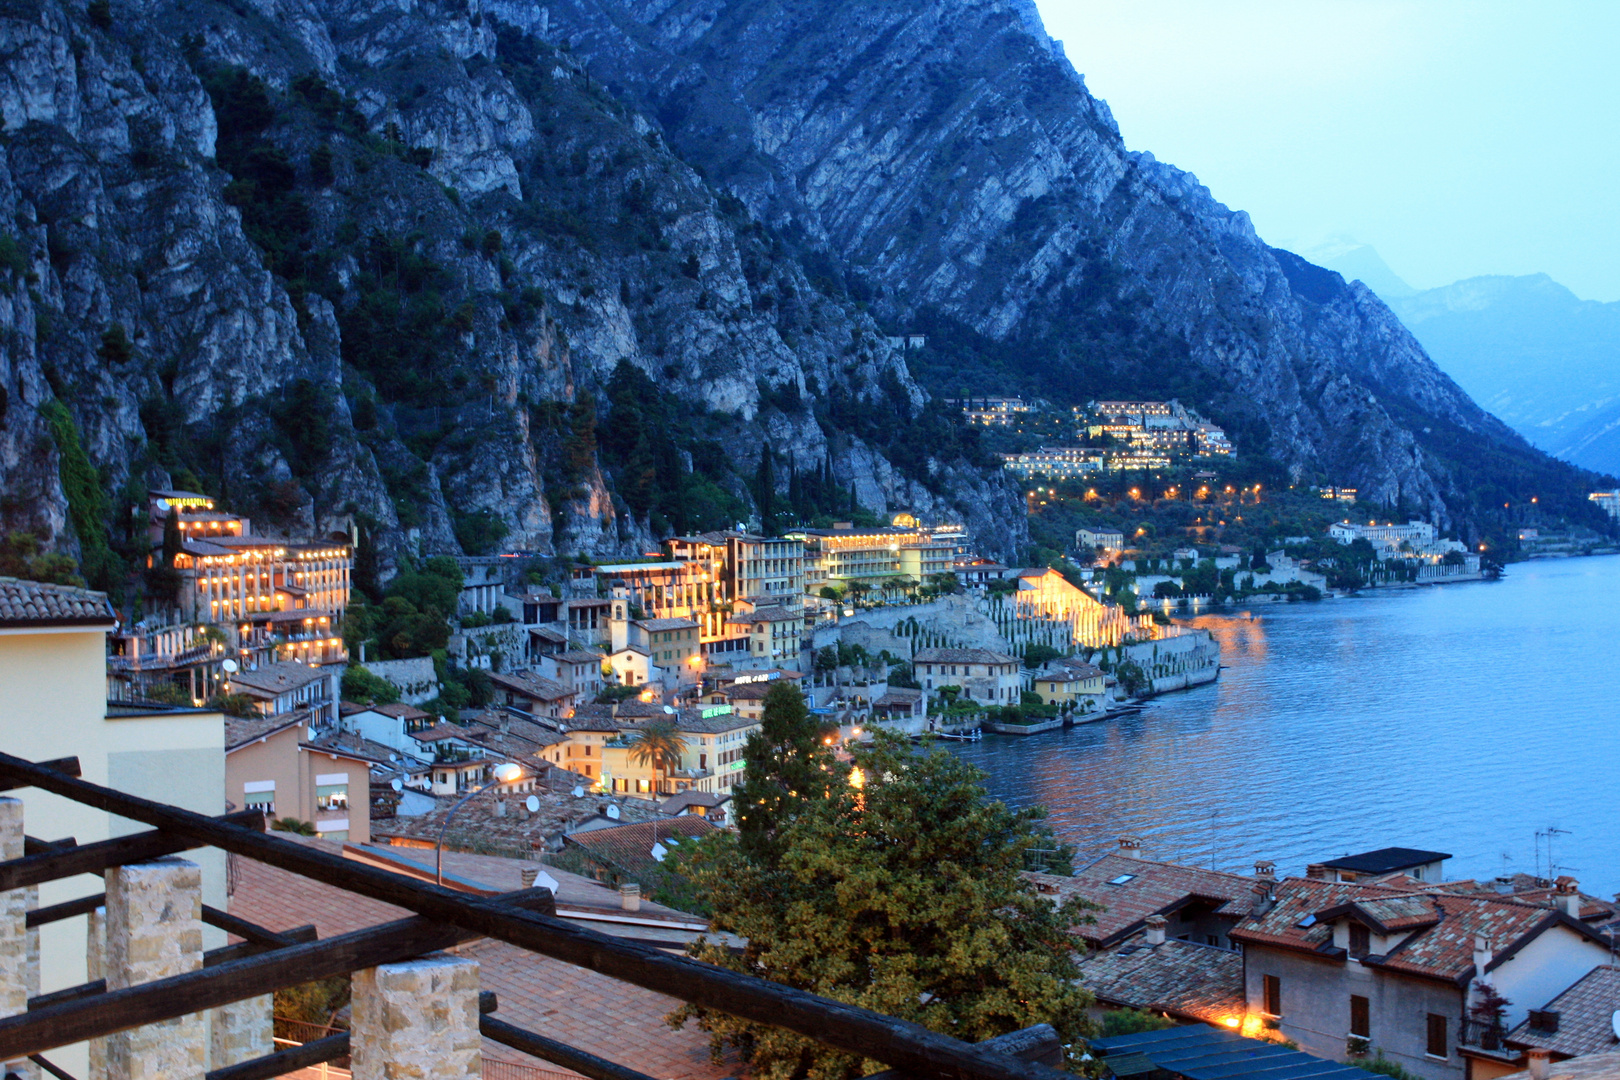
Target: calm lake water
{"points": [[1461, 718]]}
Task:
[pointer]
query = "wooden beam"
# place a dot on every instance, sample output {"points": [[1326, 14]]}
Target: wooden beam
{"points": [[67, 766], [1039, 1044], [553, 1051], [99, 857], [225, 954], [898, 1043], [33, 845], [245, 930], [311, 1053], [285, 1061], [59, 1020], [48, 1067], [65, 910]]}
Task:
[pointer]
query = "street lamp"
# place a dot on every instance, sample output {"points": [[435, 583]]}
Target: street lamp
{"points": [[504, 774]]}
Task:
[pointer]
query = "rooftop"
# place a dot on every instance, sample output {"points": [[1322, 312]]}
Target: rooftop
{"points": [[1130, 889], [1198, 982], [1200, 1052], [37, 603], [1585, 1017], [961, 656], [528, 684], [276, 678], [1591, 1067], [655, 625], [239, 732], [481, 824], [1387, 860], [629, 847]]}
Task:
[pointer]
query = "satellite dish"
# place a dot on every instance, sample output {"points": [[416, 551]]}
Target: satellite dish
{"points": [[579, 792], [670, 709], [229, 666], [532, 804], [397, 784], [658, 852], [613, 812], [1614, 1023]]}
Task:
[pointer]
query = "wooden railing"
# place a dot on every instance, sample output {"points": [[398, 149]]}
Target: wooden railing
{"points": [[267, 960]]}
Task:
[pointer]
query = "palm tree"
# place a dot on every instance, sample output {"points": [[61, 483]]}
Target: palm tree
{"points": [[660, 744]]}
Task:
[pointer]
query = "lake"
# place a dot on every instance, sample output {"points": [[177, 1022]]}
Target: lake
{"points": [[1464, 718]]}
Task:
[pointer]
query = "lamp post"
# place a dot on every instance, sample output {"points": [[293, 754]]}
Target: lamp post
{"points": [[504, 774]]}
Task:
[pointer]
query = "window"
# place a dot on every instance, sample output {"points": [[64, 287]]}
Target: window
{"points": [[1437, 1035], [332, 796], [1360, 1021], [1212, 939], [1360, 940], [1273, 994], [1122, 879], [262, 801]]}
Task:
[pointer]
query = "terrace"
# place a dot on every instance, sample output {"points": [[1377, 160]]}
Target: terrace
{"points": [[417, 1010]]}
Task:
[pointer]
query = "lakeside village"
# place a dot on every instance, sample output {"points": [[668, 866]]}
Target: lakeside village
{"points": [[506, 723]]}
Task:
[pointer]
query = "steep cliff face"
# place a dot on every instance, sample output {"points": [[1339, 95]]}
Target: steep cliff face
{"points": [[384, 261], [954, 161]]}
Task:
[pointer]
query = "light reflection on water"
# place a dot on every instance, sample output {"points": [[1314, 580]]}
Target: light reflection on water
{"points": [[1462, 718]]}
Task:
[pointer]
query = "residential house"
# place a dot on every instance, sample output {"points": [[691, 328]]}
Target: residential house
{"points": [[1370, 865], [1109, 540], [1064, 682], [580, 670], [631, 853], [1185, 980], [674, 646], [272, 765], [702, 803], [712, 760], [497, 819], [276, 689], [533, 693], [900, 703], [53, 648], [1578, 1022], [1201, 906], [990, 678], [745, 699], [390, 725], [633, 666], [1349, 967], [775, 635]]}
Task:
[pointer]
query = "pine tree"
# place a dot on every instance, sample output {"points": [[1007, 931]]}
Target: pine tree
{"points": [[765, 490], [787, 766]]}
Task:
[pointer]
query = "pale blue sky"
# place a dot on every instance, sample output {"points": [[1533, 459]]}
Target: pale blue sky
{"points": [[1457, 138]]}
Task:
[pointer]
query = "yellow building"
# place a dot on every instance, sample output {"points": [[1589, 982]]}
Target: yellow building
{"points": [[1070, 682], [712, 762], [271, 766], [674, 646], [842, 555], [53, 647], [775, 635]]}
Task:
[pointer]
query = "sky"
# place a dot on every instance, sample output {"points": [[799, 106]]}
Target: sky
{"points": [[1456, 138]]}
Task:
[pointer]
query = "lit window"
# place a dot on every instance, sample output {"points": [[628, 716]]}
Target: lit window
{"points": [[332, 797]]}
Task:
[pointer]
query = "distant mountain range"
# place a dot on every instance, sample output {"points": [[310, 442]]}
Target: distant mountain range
{"points": [[1526, 348]]}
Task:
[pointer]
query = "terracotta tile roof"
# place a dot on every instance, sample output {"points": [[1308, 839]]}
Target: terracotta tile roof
{"points": [[1531, 890], [753, 691], [479, 825], [1591, 1067], [1195, 981], [358, 746], [240, 731], [666, 624], [608, 1018], [275, 679], [35, 603], [766, 614], [1147, 888], [1440, 947], [628, 848], [961, 656], [528, 684], [1072, 670], [1585, 1017], [400, 711], [577, 656], [441, 732]]}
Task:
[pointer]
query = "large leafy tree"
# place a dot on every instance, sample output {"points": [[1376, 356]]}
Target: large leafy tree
{"points": [[898, 890], [788, 767]]}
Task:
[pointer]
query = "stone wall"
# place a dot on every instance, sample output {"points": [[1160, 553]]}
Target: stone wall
{"points": [[415, 678]]}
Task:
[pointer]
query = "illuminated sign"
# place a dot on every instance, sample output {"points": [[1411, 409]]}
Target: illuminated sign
{"points": [[715, 710], [738, 765], [765, 676]]}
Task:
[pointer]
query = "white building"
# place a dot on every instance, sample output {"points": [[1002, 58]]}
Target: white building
{"points": [[1107, 539], [990, 678]]}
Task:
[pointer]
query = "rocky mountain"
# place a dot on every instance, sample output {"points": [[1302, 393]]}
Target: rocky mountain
{"points": [[954, 163], [1533, 353], [412, 266], [480, 273], [1356, 261]]}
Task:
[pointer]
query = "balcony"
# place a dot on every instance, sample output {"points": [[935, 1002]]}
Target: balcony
{"points": [[1489, 1036]]}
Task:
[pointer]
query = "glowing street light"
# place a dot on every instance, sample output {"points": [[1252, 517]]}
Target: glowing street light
{"points": [[504, 773]]}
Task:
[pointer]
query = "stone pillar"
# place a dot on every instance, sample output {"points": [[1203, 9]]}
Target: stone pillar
{"points": [[154, 931], [18, 977], [95, 965], [242, 1031], [417, 1019]]}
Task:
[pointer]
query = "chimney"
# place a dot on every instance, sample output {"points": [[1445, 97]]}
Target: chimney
{"points": [[1317, 872], [1155, 929], [1131, 846], [500, 807], [1567, 896], [630, 896], [1540, 1059], [1262, 900], [1265, 870], [528, 875], [1504, 886], [1482, 955]]}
